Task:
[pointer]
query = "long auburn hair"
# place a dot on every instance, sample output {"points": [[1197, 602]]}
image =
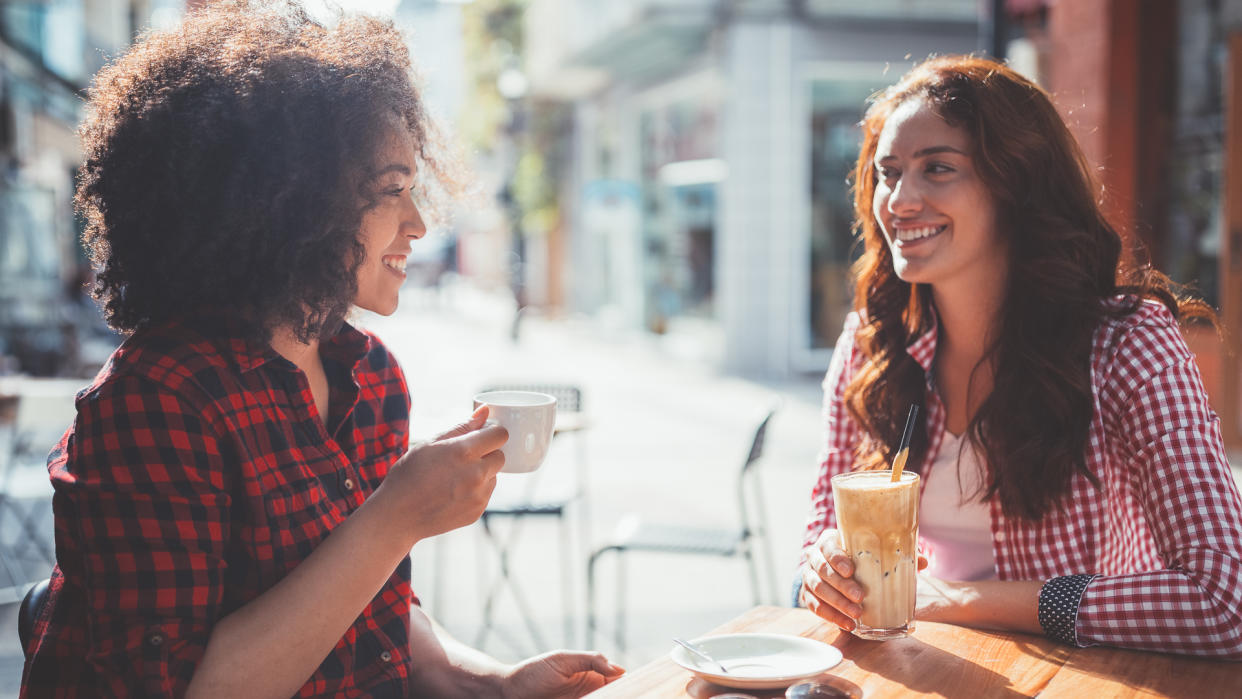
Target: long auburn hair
{"points": [[1065, 266]]}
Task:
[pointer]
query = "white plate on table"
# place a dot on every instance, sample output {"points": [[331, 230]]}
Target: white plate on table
{"points": [[758, 660]]}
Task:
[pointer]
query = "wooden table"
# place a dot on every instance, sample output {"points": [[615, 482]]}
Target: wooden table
{"points": [[953, 661]]}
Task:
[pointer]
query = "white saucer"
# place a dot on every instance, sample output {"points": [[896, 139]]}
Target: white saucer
{"points": [[758, 660]]}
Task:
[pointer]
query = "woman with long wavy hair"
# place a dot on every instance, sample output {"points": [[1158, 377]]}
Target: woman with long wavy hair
{"points": [[1074, 479], [237, 497]]}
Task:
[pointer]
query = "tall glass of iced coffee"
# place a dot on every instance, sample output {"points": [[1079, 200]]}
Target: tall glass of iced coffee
{"points": [[878, 521]]}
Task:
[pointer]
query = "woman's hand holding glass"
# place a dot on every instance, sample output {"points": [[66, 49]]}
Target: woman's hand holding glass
{"points": [[828, 586]]}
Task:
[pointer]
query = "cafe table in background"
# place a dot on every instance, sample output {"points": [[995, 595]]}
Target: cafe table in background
{"points": [[953, 661]]}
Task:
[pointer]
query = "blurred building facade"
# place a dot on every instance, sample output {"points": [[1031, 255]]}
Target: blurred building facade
{"points": [[711, 142], [49, 49], [1153, 92]]}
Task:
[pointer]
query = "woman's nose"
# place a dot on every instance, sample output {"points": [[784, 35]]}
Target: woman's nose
{"points": [[413, 225], [905, 197]]}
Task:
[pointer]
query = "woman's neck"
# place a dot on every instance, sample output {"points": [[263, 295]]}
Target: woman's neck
{"points": [[969, 316], [969, 312], [305, 355]]}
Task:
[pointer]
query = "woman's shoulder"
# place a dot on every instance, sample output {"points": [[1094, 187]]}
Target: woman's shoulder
{"points": [[1129, 311], [1129, 315], [175, 358], [1138, 331]]}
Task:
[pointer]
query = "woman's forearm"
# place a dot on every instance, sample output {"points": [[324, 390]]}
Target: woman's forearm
{"points": [[986, 604], [269, 647], [448, 668]]}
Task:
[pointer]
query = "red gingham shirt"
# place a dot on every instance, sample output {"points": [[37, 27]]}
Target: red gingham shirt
{"points": [[195, 477], [1165, 532]]}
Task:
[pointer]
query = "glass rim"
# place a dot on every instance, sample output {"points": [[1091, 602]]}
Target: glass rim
{"points": [[906, 475]]}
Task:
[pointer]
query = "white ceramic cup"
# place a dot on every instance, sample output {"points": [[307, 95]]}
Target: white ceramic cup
{"points": [[530, 419]]}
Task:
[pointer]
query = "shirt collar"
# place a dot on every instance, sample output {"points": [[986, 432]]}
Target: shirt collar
{"points": [[923, 348], [347, 345]]}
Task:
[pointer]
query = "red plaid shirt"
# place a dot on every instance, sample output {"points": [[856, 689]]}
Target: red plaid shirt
{"points": [[1165, 531], [197, 475]]}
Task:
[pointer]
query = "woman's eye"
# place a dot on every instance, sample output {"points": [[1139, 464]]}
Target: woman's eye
{"points": [[888, 173], [938, 168]]}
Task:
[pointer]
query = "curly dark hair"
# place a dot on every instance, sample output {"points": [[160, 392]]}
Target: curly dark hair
{"points": [[1065, 269], [228, 165]]}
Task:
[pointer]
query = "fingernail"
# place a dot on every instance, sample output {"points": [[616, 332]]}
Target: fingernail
{"points": [[856, 594]]}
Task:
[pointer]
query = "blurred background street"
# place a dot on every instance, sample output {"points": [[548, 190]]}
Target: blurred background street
{"points": [[661, 216]]}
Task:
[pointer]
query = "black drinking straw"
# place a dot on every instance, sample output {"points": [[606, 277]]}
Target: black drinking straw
{"points": [[900, 461]]}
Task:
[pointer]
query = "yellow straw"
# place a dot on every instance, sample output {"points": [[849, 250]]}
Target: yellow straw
{"points": [[903, 451]]}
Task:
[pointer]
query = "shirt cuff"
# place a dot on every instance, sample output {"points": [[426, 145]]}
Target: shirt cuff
{"points": [[1059, 599]]}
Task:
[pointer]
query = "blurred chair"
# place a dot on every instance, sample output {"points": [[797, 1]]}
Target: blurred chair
{"points": [[21, 480], [633, 533], [32, 605], [526, 500]]}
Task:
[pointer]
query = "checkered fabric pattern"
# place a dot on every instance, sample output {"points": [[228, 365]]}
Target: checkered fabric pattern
{"points": [[1163, 535], [196, 476]]}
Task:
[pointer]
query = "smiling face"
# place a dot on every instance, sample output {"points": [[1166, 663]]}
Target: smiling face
{"points": [[389, 225], [936, 215]]}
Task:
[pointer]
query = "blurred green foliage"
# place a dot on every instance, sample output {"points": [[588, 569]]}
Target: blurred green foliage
{"points": [[494, 41]]}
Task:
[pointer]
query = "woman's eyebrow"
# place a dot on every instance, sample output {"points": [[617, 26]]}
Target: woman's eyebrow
{"points": [[932, 150], [924, 152], [395, 167]]}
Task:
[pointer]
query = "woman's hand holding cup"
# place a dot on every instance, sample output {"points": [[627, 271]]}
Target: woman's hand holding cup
{"points": [[446, 483], [530, 418], [828, 586]]}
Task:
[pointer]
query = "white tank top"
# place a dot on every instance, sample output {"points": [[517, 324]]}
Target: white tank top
{"points": [[955, 526]]}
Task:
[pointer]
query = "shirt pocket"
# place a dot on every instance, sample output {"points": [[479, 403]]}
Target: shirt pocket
{"points": [[300, 515]]}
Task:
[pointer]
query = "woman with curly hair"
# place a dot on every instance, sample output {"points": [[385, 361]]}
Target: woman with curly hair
{"points": [[236, 500], [1074, 479]]}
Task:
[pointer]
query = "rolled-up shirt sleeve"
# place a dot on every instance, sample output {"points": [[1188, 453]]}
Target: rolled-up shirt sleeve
{"points": [[142, 488], [1179, 473]]}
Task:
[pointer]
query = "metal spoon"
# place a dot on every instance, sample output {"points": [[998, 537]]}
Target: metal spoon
{"points": [[699, 652]]}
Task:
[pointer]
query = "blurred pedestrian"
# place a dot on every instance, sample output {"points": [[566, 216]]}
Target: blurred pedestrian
{"points": [[1074, 477], [236, 500]]}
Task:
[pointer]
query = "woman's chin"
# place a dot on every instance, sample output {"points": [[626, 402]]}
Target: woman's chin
{"points": [[380, 309]]}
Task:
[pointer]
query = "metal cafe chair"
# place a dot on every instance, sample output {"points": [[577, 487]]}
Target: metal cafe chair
{"points": [[526, 502], [18, 485], [633, 533]]}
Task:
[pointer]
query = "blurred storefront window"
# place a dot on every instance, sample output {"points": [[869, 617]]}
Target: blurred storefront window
{"points": [[31, 330], [1197, 150], [680, 172], [53, 30], [28, 250], [836, 107]]}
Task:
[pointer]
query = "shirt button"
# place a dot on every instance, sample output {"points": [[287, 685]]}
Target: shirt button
{"points": [[156, 639], [349, 484], [386, 657], [1000, 536]]}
